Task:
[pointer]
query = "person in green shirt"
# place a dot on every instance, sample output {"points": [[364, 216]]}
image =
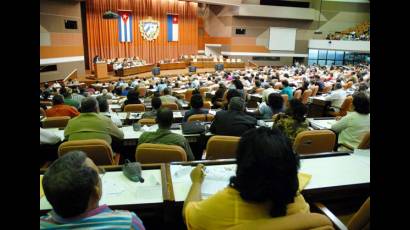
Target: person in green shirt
{"points": [[92, 125], [163, 134], [68, 100]]}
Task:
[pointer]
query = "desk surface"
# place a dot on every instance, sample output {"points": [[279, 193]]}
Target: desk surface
{"points": [[118, 190], [321, 123], [327, 172]]}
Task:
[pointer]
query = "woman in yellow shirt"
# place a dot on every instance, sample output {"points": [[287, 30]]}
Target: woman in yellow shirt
{"points": [[265, 186]]}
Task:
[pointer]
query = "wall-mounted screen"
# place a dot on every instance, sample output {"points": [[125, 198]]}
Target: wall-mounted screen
{"points": [[282, 39]]}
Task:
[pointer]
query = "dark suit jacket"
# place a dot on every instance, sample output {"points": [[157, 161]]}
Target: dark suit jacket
{"points": [[232, 123]]}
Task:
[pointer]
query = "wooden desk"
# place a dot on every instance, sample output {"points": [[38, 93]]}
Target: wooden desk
{"points": [[100, 70], [135, 70], [234, 65], [174, 65]]}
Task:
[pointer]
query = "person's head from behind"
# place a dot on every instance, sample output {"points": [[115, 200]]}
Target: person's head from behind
{"points": [[156, 102], [285, 83], [275, 101], [297, 110], [72, 185], [338, 85], [266, 169], [257, 83], [58, 100], [362, 87], [132, 95], [164, 118], [102, 103], [89, 105], [167, 91], [361, 103], [232, 93], [104, 91], [238, 84], [197, 101], [236, 104]]}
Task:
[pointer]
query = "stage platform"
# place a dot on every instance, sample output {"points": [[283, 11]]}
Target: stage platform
{"points": [[164, 73]]}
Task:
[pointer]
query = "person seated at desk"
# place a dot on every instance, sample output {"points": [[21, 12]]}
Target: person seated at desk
{"points": [[68, 100], [255, 88], [229, 95], [74, 189], [264, 189], [132, 98], [234, 121], [163, 135], [162, 85], [217, 99], [78, 94], [196, 107], [60, 109], [156, 104], [92, 125], [287, 89], [305, 86], [319, 83], [267, 91], [352, 127], [105, 110], [293, 120], [272, 107], [167, 98], [336, 97]]}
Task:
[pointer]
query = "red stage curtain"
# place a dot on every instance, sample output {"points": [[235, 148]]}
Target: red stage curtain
{"points": [[103, 34]]}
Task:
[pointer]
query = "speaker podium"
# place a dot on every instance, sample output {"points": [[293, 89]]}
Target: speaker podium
{"points": [[101, 70]]}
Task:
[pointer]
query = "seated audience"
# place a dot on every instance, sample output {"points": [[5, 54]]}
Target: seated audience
{"points": [[196, 107], [234, 121], [217, 99], [336, 97], [60, 109], [167, 98], [73, 187], [105, 110], [132, 98], [352, 127], [287, 89], [272, 107], [163, 135], [156, 104], [106, 94], [68, 100], [265, 186], [92, 125], [293, 120]]}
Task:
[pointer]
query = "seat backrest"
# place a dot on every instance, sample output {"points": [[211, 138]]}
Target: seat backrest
{"points": [[159, 153], [221, 147], [56, 122], [298, 94], [299, 221], [347, 103], [306, 95], [142, 91], [188, 94], [96, 149], [147, 121], [365, 143], [207, 105], [134, 108], [314, 141], [201, 117], [203, 90], [361, 219], [171, 106]]}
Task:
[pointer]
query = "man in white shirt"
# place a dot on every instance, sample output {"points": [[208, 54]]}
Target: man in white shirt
{"points": [[336, 97]]}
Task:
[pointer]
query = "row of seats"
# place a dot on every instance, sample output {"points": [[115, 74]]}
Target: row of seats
{"points": [[218, 147]]}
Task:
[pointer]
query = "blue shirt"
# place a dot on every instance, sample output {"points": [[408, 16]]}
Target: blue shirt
{"points": [[287, 90]]}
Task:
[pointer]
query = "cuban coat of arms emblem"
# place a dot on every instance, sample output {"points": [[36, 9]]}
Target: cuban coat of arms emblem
{"points": [[149, 29]]}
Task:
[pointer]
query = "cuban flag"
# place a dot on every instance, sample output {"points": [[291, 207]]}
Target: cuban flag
{"points": [[125, 26], [172, 28]]}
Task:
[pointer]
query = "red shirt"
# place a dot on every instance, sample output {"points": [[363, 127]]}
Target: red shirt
{"points": [[62, 110]]}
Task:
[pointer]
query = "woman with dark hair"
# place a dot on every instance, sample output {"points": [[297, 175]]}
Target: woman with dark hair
{"points": [[305, 86], [272, 107], [354, 125], [196, 107], [217, 99], [266, 185], [132, 98], [293, 120]]}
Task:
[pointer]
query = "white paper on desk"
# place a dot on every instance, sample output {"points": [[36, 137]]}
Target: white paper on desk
{"points": [[181, 173], [177, 114], [146, 128], [111, 187], [136, 115]]}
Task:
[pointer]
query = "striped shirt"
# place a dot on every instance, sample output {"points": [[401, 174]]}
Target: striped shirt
{"points": [[100, 218]]}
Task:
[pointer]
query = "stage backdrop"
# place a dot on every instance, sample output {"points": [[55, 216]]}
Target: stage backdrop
{"points": [[102, 34]]}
